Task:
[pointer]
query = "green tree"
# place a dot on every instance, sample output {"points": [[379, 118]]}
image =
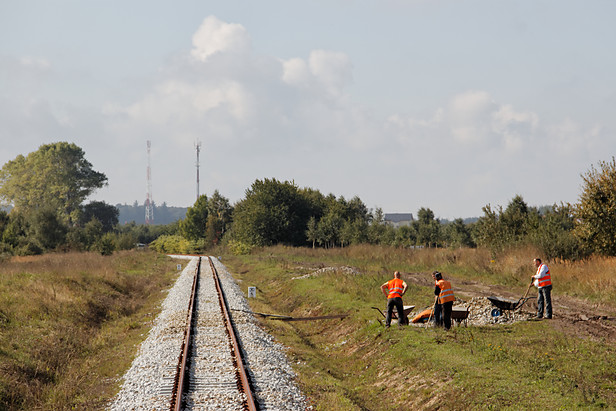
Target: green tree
{"points": [[194, 225], [329, 229], [46, 229], [106, 244], [377, 227], [428, 228], [312, 231], [596, 209], [553, 234], [357, 210], [57, 175], [4, 221], [515, 220], [219, 217], [458, 234], [107, 214], [405, 236], [489, 232], [93, 231], [272, 212], [15, 229]]}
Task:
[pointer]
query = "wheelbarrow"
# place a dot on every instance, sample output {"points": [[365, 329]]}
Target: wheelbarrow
{"points": [[406, 310], [508, 305], [460, 314]]}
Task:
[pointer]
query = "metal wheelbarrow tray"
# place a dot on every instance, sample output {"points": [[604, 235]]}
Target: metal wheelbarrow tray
{"points": [[460, 314], [502, 304], [508, 305]]}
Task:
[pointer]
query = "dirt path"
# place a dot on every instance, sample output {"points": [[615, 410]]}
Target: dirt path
{"points": [[573, 316]]}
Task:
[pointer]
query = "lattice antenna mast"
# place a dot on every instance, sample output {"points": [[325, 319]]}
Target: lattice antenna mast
{"points": [[198, 149], [149, 206]]}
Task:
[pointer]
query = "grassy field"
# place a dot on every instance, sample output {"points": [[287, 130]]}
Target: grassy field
{"points": [[357, 364], [70, 325]]}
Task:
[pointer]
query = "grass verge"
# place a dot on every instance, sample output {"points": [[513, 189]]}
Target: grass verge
{"points": [[70, 324], [356, 364]]}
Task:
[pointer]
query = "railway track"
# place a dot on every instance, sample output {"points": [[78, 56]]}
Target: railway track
{"points": [[211, 372], [192, 359]]}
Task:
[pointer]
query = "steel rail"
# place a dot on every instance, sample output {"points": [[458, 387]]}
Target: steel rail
{"points": [[180, 375], [238, 358]]}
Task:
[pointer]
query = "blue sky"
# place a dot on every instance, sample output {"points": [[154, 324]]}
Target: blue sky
{"points": [[450, 105]]}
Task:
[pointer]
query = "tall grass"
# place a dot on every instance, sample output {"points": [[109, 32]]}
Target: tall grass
{"points": [[69, 322], [593, 278]]}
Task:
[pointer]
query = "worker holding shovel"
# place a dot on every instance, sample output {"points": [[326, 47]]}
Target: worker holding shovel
{"points": [[444, 300], [394, 290], [543, 282]]}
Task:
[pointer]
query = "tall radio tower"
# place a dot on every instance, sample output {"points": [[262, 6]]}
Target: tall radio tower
{"points": [[198, 148], [149, 210]]}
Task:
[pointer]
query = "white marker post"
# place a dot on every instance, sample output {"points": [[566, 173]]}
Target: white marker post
{"points": [[252, 292]]}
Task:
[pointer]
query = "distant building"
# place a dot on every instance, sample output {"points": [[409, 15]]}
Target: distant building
{"points": [[399, 219]]}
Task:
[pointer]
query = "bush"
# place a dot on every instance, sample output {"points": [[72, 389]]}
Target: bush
{"points": [[239, 248], [106, 245], [173, 244]]}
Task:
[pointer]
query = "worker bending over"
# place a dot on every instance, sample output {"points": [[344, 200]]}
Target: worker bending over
{"points": [[445, 299], [394, 290]]}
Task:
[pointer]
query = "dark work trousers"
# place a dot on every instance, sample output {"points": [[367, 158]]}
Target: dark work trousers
{"points": [[438, 314], [447, 308], [391, 303], [544, 298]]}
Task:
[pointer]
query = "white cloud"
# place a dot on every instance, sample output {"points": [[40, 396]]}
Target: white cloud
{"points": [[175, 100], [332, 69], [514, 128], [296, 72], [326, 70], [570, 138], [215, 36], [469, 116], [39, 63]]}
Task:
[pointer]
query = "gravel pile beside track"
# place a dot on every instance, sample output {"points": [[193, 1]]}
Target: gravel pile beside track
{"points": [[148, 383], [481, 313]]}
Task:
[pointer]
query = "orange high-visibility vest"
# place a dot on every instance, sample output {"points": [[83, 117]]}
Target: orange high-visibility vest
{"points": [[546, 279], [396, 286], [446, 294]]}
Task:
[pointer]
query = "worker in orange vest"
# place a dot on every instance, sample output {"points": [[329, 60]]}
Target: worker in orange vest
{"points": [[445, 299], [394, 290], [543, 281]]}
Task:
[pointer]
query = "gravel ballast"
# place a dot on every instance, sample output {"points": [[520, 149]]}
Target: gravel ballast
{"points": [[148, 383]]}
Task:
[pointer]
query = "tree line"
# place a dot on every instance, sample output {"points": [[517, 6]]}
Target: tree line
{"points": [[47, 190]]}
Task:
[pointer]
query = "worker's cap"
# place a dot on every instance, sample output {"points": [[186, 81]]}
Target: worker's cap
{"points": [[438, 275]]}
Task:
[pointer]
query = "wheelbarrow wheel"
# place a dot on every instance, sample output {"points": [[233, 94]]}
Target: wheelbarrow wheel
{"points": [[496, 312]]}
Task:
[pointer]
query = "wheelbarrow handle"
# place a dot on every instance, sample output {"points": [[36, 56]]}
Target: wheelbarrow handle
{"points": [[379, 310], [527, 290]]}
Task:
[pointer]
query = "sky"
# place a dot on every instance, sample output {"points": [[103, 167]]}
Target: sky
{"points": [[450, 105]]}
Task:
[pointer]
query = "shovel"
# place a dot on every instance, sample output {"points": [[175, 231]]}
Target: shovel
{"points": [[432, 313]]}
